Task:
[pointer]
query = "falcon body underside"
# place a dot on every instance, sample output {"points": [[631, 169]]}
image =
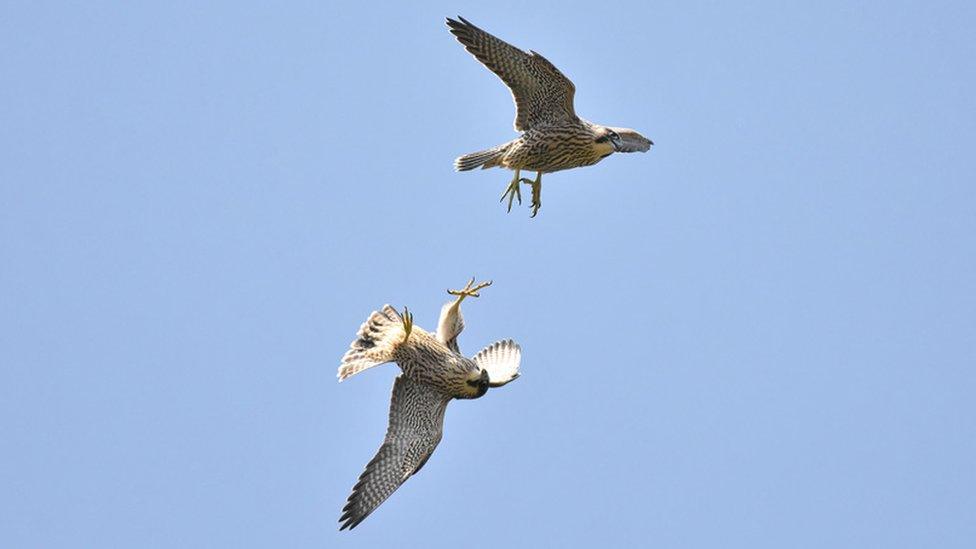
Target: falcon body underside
{"points": [[429, 361], [554, 148]]}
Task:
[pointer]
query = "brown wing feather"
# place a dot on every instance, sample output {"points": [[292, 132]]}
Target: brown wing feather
{"points": [[415, 428], [542, 94]]}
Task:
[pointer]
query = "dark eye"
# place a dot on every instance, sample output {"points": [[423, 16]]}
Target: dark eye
{"points": [[613, 135]]}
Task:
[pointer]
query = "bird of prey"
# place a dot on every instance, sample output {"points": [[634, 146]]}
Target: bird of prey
{"points": [[434, 373], [553, 137]]}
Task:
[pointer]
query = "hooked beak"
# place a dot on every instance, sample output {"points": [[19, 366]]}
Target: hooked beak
{"points": [[481, 385]]}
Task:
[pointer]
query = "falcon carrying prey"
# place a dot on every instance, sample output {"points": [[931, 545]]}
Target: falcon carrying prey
{"points": [[434, 373], [553, 137]]}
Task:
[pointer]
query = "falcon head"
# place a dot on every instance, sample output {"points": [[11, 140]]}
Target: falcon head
{"points": [[478, 385], [496, 365], [609, 140]]}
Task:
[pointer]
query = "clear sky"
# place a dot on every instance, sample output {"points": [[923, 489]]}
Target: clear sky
{"points": [[759, 334]]}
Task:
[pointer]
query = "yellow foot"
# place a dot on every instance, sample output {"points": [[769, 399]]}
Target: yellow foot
{"points": [[536, 193], [512, 192], [470, 290], [407, 318]]}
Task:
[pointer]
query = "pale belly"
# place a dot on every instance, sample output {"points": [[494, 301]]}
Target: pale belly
{"points": [[427, 360], [551, 155]]}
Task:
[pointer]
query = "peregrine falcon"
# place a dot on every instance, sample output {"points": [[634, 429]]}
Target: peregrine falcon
{"points": [[553, 137], [434, 373]]}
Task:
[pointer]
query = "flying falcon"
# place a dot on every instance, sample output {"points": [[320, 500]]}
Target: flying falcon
{"points": [[434, 373], [553, 137]]}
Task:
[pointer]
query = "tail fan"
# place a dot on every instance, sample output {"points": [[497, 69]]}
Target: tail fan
{"points": [[501, 360], [485, 159], [374, 343]]}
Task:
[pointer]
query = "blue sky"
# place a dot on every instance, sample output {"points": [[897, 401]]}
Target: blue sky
{"points": [[759, 334]]}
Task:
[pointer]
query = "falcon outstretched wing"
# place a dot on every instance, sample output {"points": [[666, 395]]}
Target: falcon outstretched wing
{"points": [[415, 428], [542, 94]]}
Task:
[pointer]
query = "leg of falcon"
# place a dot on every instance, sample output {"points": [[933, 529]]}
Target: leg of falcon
{"points": [[513, 190], [536, 192]]}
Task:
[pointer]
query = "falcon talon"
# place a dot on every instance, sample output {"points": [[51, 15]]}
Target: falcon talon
{"points": [[512, 192], [407, 324], [469, 291]]}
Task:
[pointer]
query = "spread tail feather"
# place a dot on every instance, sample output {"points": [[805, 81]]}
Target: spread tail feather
{"points": [[488, 158], [501, 360], [374, 344]]}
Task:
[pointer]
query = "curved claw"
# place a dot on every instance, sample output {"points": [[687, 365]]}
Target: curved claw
{"points": [[407, 324], [536, 193], [470, 290], [512, 192]]}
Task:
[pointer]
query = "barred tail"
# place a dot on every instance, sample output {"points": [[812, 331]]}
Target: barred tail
{"points": [[374, 343], [486, 159]]}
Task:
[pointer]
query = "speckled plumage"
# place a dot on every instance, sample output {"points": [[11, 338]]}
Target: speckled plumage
{"points": [[554, 138], [415, 426], [433, 373]]}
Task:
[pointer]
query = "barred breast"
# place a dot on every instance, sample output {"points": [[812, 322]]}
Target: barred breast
{"points": [[426, 360], [553, 149]]}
